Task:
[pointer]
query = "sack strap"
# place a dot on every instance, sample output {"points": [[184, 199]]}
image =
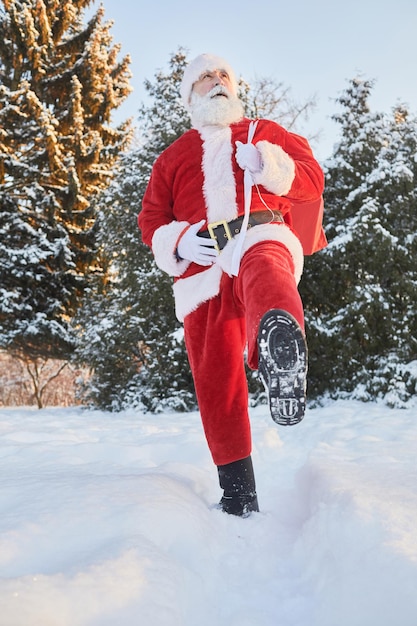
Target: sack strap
{"points": [[247, 187]]}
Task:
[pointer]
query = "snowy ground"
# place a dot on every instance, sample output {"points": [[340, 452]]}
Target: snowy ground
{"points": [[107, 520]]}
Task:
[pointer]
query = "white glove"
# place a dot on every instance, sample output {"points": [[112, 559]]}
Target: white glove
{"points": [[197, 249], [248, 157]]}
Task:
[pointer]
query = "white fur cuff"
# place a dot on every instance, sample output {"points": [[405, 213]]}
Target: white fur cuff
{"points": [[278, 170], [164, 241]]}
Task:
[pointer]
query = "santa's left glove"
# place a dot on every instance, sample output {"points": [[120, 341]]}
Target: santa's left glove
{"points": [[248, 157], [197, 249]]}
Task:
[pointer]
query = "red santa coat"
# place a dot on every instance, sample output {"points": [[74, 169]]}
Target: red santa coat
{"points": [[197, 177]]}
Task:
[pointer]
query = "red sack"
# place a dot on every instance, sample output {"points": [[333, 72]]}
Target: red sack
{"points": [[307, 221]]}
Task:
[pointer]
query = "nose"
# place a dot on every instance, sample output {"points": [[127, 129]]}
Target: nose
{"points": [[219, 78]]}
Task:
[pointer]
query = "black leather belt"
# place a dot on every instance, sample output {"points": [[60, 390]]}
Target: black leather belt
{"points": [[223, 231]]}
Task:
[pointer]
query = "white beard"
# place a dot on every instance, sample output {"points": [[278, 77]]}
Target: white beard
{"points": [[214, 110]]}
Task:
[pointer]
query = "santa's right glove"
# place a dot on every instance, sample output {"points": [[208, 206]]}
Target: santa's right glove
{"points": [[197, 249]]}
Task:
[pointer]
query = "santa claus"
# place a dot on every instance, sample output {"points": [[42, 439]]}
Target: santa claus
{"points": [[219, 214]]}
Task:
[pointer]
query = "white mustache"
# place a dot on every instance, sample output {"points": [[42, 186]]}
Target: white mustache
{"points": [[217, 91]]}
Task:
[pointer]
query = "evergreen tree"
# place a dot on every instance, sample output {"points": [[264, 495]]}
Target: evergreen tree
{"points": [[59, 83], [131, 338], [360, 292]]}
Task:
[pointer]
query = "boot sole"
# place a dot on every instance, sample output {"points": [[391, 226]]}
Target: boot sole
{"points": [[282, 353]]}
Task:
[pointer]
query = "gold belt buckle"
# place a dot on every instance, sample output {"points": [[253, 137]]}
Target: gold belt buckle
{"points": [[227, 234]]}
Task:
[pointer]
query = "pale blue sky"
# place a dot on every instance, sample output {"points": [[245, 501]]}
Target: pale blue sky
{"points": [[312, 47]]}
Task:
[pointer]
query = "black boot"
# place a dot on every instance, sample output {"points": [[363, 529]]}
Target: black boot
{"points": [[238, 481]]}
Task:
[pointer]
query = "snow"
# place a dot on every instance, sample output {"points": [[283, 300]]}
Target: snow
{"points": [[109, 520]]}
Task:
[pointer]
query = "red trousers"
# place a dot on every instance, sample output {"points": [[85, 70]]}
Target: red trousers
{"points": [[217, 335]]}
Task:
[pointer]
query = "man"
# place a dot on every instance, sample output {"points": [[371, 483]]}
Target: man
{"points": [[218, 214]]}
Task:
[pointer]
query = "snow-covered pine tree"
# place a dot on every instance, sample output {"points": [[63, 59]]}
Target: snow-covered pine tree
{"points": [[360, 292], [131, 338], [59, 83]]}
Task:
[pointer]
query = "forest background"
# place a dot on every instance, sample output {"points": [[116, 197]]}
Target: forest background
{"points": [[86, 316]]}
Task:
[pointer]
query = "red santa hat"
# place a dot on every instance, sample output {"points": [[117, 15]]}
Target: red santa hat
{"points": [[203, 63]]}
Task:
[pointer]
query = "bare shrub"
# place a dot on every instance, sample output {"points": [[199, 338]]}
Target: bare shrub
{"points": [[40, 382]]}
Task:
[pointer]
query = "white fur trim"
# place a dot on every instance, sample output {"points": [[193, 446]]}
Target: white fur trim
{"points": [[266, 232], [278, 172], [219, 187], [163, 247], [203, 63], [192, 291]]}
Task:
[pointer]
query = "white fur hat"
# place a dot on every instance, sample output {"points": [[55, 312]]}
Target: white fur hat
{"points": [[203, 63]]}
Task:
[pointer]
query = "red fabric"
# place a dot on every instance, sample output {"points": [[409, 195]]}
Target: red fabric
{"points": [[216, 335], [175, 188]]}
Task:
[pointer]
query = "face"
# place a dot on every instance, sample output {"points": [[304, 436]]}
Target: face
{"points": [[210, 79], [213, 101]]}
